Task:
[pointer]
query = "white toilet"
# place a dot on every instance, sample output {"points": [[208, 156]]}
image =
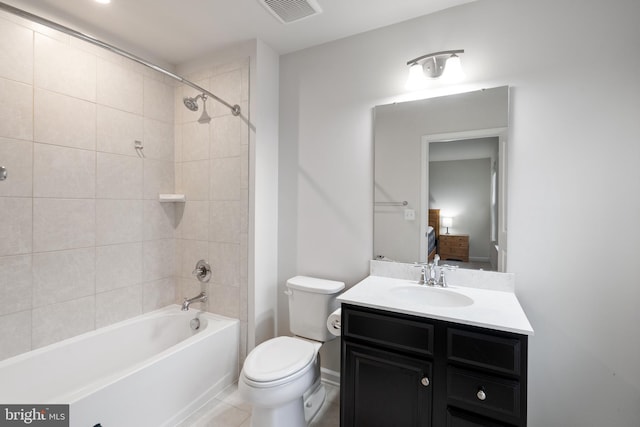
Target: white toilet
{"points": [[281, 377]]}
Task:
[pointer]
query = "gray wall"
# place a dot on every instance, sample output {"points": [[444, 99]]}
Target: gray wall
{"points": [[572, 142]]}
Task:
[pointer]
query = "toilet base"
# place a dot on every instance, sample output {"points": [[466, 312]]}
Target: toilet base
{"points": [[313, 400], [290, 414]]}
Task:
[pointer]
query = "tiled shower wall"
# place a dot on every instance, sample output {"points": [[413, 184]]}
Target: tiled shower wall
{"points": [[84, 241], [212, 171]]}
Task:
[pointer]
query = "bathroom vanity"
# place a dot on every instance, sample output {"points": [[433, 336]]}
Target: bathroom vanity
{"points": [[419, 356]]}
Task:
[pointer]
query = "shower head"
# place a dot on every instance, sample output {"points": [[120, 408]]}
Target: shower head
{"points": [[192, 104]]}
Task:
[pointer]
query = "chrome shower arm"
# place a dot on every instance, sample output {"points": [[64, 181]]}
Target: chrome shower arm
{"points": [[235, 109]]}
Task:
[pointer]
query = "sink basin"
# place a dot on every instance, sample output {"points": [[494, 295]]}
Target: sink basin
{"points": [[424, 295]]}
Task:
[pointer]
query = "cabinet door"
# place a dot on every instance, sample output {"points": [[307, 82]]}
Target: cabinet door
{"points": [[384, 389]]}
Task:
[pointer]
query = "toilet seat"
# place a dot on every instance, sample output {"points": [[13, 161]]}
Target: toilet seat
{"points": [[278, 361]]}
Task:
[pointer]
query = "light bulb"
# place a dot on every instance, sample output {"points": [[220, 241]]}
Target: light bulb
{"points": [[453, 70], [417, 79]]}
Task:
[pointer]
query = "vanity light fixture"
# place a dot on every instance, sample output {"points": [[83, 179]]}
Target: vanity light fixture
{"points": [[447, 221], [444, 64]]}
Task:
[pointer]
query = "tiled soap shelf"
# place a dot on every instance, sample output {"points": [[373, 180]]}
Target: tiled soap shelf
{"points": [[172, 198]]}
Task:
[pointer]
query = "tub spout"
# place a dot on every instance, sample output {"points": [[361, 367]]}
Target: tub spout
{"points": [[198, 298]]}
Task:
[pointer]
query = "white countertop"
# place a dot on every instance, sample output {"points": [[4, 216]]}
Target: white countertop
{"points": [[499, 310]]}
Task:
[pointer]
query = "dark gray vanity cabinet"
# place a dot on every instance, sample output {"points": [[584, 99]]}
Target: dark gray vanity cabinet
{"points": [[402, 370]]}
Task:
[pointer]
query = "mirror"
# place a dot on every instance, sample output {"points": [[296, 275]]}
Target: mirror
{"points": [[441, 140]]}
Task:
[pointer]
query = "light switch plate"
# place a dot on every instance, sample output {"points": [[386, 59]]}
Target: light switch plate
{"points": [[409, 215]]}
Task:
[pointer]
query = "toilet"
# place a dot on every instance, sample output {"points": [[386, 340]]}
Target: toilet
{"points": [[281, 377]]}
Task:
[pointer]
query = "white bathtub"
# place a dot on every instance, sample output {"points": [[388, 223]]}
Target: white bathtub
{"points": [[152, 370]]}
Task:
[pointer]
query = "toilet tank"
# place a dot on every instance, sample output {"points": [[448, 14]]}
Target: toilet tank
{"points": [[311, 301]]}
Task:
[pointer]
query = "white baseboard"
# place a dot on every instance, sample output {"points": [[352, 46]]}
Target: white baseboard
{"points": [[330, 377]]}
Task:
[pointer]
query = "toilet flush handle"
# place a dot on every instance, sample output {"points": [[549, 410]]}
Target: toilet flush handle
{"points": [[288, 292]]}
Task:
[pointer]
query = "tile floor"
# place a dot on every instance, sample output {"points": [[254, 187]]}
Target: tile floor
{"points": [[228, 410]]}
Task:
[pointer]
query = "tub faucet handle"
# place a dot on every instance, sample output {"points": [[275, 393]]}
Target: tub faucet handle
{"points": [[202, 271]]}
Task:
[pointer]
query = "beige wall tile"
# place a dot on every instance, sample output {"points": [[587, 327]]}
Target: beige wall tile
{"points": [[118, 221], [227, 86], [191, 251], [244, 167], [224, 300], [158, 259], [194, 223], [195, 180], [15, 227], [118, 177], [63, 172], [55, 322], [225, 222], [17, 157], [118, 130], [16, 110], [15, 284], [159, 220], [177, 137], [158, 178], [225, 179], [64, 69], [158, 100], [158, 140], [64, 120], [226, 134], [16, 52], [118, 266], [178, 105], [15, 334], [63, 224], [244, 210], [63, 275], [117, 305], [195, 141], [225, 263], [158, 294], [119, 87]]}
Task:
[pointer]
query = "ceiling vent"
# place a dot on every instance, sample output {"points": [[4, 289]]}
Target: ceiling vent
{"points": [[288, 11]]}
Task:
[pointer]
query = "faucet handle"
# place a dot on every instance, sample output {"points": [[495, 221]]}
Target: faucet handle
{"points": [[442, 280], [202, 271], [424, 267]]}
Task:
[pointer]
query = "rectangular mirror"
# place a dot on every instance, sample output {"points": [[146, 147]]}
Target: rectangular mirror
{"points": [[440, 166]]}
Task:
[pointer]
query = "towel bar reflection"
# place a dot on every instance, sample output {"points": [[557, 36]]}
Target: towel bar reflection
{"points": [[403, 203]]}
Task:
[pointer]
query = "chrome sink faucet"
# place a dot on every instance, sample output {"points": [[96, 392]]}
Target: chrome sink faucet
{"points": [[428, 272], [202, 297]]}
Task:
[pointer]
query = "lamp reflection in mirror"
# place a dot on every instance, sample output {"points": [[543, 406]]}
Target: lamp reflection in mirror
{"points": [[444, 65], [447, 221]]}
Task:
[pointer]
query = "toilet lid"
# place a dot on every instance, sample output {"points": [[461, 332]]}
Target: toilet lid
{"points": [[278, 358]]}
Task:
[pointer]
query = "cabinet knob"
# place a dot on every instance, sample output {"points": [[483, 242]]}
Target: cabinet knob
{"points": [[481, 394], [424, 381]]}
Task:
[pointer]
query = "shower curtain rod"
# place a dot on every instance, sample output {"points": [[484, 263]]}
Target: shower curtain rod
{"points": [[235, 109]]}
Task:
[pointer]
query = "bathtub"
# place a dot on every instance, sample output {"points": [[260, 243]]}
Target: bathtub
{"points": [[152, 370]]}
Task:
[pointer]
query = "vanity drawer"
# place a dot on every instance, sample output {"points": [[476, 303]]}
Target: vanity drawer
{"points": [[486, 394], [483, 350], [389, 330]]}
